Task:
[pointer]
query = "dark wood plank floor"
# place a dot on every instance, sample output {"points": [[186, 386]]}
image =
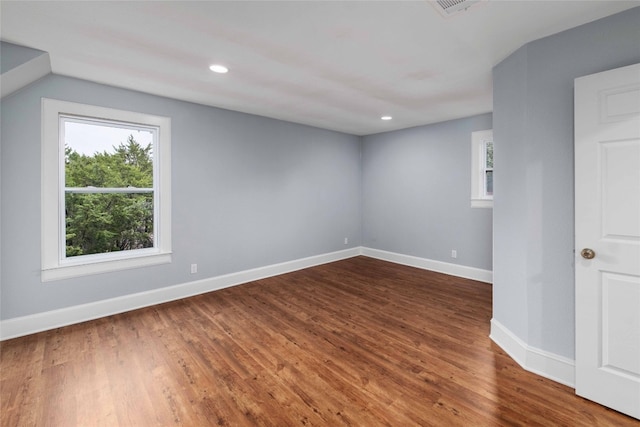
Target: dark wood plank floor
{"points": [[358, 342]]}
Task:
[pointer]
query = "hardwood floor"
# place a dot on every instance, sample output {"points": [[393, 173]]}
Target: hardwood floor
{"points": [[359, 342]]}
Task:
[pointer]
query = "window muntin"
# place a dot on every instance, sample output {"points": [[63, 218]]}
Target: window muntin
{"points": [[482, 169], [103, 167]]}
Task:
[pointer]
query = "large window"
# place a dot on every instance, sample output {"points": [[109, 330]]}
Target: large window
{"points": [[482, 169], [106, 190]]}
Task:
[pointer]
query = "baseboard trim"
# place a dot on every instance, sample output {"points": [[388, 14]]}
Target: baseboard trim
{"points": [[20, 326], [549, 365], [429, 264]]}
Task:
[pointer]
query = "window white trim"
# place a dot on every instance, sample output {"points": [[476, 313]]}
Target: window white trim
{"points": [[478, 142], [54, 264]]}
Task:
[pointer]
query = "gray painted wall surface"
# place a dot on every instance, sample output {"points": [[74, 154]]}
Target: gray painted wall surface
{"points": [[416, 196], [511, 205], [247, 192], [533, 207]]}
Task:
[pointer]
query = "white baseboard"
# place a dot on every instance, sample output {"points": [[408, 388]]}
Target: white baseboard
{"points": [[20, 326], [429, 264], [540, 362]]}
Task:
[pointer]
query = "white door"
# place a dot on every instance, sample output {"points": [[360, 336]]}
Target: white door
{"points": [[607, 214]]}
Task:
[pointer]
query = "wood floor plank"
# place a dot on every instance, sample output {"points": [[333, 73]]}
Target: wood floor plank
{"points": [[360, 342]]}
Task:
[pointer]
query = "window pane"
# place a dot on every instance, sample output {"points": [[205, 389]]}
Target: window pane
{"points": [[106, 155], [489, 155], [489, 183], [100, 223]]}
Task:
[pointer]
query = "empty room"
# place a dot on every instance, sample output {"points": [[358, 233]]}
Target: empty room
{"points": [[279, 213]]}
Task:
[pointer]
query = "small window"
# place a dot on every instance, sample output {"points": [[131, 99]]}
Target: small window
{"points": [[487, 185], [482, 169], [106, 190]]}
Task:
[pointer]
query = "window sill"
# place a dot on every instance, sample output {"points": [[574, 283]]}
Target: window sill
{"points": [[481, 203], [106, 266]]}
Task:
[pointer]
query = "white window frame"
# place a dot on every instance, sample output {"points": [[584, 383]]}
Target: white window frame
{"points": [[55, 264], [479, 140]]}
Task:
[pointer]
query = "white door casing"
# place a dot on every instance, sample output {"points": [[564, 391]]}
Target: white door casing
{"points": [[607, 220]]}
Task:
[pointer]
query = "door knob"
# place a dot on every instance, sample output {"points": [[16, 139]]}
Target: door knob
{"points": [[588, 253]]}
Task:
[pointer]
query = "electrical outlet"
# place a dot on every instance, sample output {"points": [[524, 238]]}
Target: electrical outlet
{"points": [[346, 240], [454, 253], [194, 268]]}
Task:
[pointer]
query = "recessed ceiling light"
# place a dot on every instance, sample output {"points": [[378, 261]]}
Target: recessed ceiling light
{"points": [[386, 118], [220, 69]]}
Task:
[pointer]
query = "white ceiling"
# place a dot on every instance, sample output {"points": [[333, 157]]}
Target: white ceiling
{"points": [[333, 64]]}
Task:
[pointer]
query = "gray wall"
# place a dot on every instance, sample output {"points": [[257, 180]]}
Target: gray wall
{"points": [[416, 196], [533, 207], [247, 192]]}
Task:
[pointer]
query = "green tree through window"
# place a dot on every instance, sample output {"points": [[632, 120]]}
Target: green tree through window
{"points": [[109, 202], [488, 169]]}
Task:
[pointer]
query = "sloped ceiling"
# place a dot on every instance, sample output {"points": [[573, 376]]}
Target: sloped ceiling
{"points": [[338, 65], [21, 66]]}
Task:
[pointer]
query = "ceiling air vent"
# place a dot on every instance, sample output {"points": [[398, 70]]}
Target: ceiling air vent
{"points": [[449, 7]]}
